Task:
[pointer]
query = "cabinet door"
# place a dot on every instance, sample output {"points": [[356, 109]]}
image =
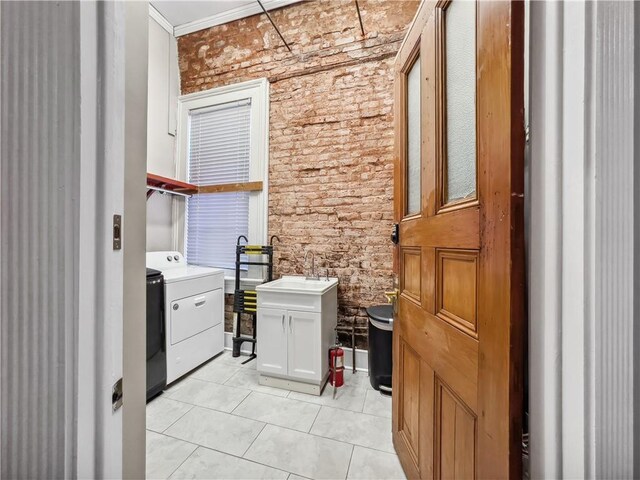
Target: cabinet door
{"points": [[272, 341], [304, 345]]}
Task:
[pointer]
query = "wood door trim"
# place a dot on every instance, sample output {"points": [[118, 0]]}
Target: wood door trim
{"points": [[429, 125], [412, 38], [403, 113], [415, 30], [456, 229], [501, 272]]}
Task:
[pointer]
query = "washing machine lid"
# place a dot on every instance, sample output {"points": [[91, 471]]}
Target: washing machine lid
{"points": [[189, 272], [152, 273]]}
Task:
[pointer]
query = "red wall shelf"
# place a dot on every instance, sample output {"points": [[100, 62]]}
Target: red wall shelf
{"points": [[169, 185]]}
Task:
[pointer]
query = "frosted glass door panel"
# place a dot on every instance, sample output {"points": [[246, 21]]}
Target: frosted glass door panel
{"points": [[413, 139], [460, 51]]}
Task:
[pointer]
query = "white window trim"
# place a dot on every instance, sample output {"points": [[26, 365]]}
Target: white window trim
{"points": [[258, 91]]}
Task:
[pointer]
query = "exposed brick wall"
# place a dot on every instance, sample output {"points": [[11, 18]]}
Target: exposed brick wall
{"points": [[331, 132]]}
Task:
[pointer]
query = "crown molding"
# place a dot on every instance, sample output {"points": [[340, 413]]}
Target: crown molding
{"points": [[160, 20], [229, 16]]}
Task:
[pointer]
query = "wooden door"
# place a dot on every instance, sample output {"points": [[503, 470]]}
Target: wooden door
{"points": [[458, 338]]}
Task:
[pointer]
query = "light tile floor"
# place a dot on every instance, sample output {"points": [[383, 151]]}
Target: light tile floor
{"points": [[219, 423]]}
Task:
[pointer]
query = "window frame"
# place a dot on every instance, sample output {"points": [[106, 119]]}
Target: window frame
{"points": [[258, 92]]}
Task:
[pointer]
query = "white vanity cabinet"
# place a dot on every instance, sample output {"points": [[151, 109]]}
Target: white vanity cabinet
{"points": [[289, 343], [295, 329]]}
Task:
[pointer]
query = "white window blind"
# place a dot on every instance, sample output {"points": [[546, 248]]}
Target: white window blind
{"points": [[218, 153]]}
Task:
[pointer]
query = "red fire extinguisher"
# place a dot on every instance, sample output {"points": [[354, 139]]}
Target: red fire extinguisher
{"points": [[336, 366]]}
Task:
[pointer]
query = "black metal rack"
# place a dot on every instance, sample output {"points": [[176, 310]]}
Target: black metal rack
{"points": [[245, 302]]}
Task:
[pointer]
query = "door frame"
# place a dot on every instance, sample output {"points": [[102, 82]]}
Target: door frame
{"points": [[584, 340], [134, 345], [82, 349], [111, 336]]}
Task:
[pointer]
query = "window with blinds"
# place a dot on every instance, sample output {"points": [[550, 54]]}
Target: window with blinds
{"points": [[219, 148]]}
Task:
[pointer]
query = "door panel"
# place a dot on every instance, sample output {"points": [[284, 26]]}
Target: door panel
{"points": [[456, 229], [458, 334], [456, 296], [455, 438], [411, 277], [272, 338], [304, 345], [410, 400], [447, 350]]}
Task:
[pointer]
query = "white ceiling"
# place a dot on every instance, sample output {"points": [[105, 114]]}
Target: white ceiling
{"points": [[186, 16], [181, 12]]}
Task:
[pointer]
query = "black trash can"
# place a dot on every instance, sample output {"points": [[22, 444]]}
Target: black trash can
{"points": [[380, 347]]}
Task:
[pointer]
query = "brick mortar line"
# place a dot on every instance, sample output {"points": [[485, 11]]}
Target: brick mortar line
{"points": [[333, 66]]}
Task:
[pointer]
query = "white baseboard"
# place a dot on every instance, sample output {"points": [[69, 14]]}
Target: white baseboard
{"points": [[245, 349], [362, 356], [362, 359]]}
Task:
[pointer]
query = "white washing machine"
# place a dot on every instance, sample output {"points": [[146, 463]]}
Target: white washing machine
{"points": [[194, 312]]}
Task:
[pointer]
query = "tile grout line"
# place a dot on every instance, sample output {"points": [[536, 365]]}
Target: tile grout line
{"points": [[202, 368], [347, 443], [173, 423], [367, 392], [319, 436], [297, 431], [223, 452], [352, 445], [276, 396], [176, 438], [277, 426], [323, 405], [260, 391], [266, 422], [240, 403], [227, 453], [253, 441], [355, 411], [231, 412], [353, 448], [182, 463], [215, 383], [289, 428], [314, 420], [225, 384]]}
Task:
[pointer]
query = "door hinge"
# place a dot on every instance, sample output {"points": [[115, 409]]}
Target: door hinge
{"points": [[116, 395], [395, 233], [117, 232]]}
